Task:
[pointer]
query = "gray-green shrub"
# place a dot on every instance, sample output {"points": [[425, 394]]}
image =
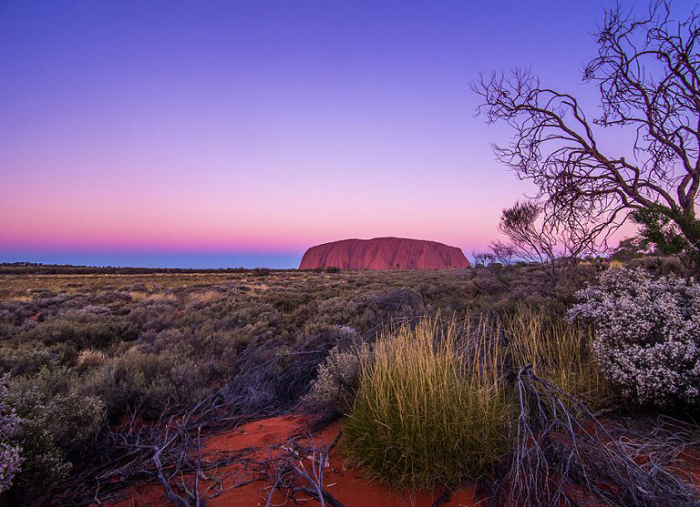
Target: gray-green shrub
{"points": [[10, 457], [336, 382], [647, 334], [52, 423]]}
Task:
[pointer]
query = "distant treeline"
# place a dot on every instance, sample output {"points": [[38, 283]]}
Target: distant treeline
{"points": [[31, 268]]}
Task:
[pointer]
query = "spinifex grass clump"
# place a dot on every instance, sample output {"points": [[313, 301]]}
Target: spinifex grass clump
{"points": [[558, 352], [436, 403], [426, 411]]}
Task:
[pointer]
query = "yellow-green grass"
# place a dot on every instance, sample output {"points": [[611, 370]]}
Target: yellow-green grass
{"points": [[559, 353], [435, 403], [423, 415]]}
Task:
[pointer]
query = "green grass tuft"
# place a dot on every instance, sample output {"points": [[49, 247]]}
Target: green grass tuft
{"points": [[423, 415], [435, 405]]}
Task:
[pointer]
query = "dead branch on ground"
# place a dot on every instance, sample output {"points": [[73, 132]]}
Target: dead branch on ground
{"points": [[564, 456], [300, 470]]}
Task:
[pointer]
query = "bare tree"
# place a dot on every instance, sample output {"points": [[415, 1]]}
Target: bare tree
{"points": [[648, 74], [503, 252], [536, 238], [483, 258]]}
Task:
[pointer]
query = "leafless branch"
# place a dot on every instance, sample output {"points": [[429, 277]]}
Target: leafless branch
{"points": [[291, 468], [564, 455], [648, 75]]}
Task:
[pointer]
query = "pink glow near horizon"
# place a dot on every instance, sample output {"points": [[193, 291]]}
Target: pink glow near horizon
{"points": [[240, 127], [287, 203], [109, 219]]}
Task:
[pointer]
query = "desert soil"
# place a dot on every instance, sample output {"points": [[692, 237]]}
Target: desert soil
{"points": [[348, 485]]}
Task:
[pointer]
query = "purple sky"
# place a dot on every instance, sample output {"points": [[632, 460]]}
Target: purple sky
{"points": [[239, 133]]}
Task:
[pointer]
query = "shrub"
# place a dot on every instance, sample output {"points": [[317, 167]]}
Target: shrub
{"points": [[647, 335], [427, 412], [84, 330], [150, 381], [96, 310], [272, 377], [10, 460], [336, 383], [52, 423], [30, 358]]}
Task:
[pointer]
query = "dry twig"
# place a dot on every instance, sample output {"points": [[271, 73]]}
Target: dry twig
{"points": [[564, 456]]}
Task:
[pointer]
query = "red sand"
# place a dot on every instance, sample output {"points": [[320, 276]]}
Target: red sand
{"points": [[347, 485]]}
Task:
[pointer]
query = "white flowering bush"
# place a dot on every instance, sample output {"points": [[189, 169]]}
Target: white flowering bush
{"points": [[10, 460], [647, 334]]}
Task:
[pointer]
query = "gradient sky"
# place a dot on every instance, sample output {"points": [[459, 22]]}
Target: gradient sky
{"points": [[239, 133]]}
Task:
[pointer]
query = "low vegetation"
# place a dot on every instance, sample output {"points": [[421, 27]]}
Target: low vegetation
{"points": [[84, 354], [436, 402], [430, 408], [435, 371], [647, 335], [10, 460]]}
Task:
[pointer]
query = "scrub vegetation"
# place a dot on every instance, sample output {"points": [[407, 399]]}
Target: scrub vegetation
{"points": [[430, 408], [86, 354], [433, 371]]}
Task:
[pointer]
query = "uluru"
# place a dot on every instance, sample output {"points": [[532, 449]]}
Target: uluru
{"points": [[384, 253]]}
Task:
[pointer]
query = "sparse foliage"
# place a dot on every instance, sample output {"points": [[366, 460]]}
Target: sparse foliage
{"points": [[563, 455], [503, 253], [533, 237], [335, 385], [483, 258]]}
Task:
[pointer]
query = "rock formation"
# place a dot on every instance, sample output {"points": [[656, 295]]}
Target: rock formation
{"points": [[384, 253]]}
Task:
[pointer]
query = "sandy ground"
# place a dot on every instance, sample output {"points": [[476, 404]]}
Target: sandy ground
{"points": [[347, 485]]}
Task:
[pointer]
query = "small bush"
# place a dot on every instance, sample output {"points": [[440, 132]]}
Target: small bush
{"points": [[30, 358], [10, 460], [150, 381], [426, 412], [84, 330], [96, 310], [647, 335], [334, 387], [52, 423]]}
